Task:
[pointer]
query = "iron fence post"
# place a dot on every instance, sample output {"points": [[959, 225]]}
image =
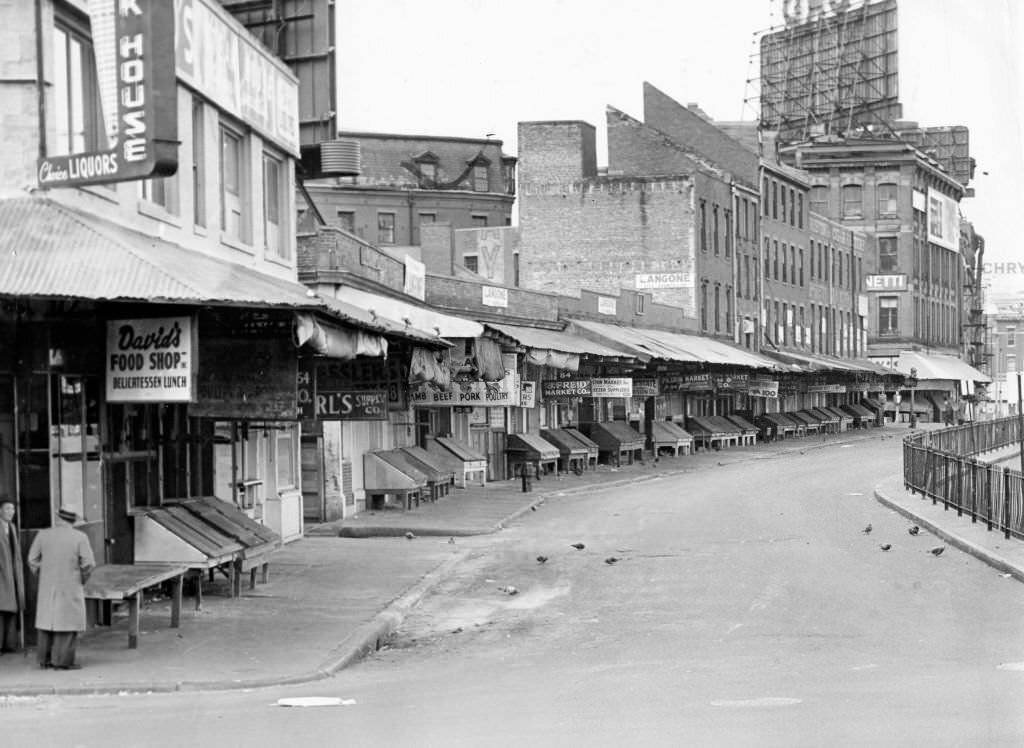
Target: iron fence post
{"points": [[1006, 503]]}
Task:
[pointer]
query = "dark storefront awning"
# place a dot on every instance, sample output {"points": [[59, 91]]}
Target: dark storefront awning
{"points": [[646, 343]]}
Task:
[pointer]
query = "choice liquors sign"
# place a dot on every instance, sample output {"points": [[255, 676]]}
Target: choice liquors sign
{"points": [[133, 45], [150, 360]]}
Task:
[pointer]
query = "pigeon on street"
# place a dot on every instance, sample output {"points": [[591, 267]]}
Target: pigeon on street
{"points": [[542, 559], [578, 546], [886, 546], [611, 560], [937, 550], [914, 530], [867, 530], [451, 541], [409, 536]]}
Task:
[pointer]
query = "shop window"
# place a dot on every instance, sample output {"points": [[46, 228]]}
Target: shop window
{"points": [[286, 458], [888, 315]]}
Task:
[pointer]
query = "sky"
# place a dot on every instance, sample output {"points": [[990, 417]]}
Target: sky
{"points": [[466, 68]]}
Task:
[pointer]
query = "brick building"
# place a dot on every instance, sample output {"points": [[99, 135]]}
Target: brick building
{"points": [[407, 181]]}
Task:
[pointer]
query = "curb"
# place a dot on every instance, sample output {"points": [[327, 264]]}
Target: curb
{"points": [[365, 639], [984, 555]]}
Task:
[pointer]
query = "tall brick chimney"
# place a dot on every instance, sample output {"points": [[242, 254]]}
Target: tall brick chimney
{"points": [[558, 151]]}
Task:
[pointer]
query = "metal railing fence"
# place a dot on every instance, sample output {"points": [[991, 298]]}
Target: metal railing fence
{"points": [[943, 466]]}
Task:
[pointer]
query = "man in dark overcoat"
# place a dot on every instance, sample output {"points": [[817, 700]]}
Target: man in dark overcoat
{"points": [[63, 560], [12, 579]]}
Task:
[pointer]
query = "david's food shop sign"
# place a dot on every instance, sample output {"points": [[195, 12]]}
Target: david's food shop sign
{"points": [[133, 46], [150, 360]]}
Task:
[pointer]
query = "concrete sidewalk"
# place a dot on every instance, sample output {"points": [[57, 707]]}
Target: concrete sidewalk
{"points": [[330, 599], [991, 547]]}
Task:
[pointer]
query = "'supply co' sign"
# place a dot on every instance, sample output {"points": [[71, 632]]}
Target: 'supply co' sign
{"points": [[150, 360]]}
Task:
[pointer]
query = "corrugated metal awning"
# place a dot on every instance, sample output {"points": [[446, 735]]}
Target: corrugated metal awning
{"points": [[556, 340], [938, 366], [445, 325], [55, 252], [672, 346]]}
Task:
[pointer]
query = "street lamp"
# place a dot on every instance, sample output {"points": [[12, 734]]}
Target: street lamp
{"points": [[911, 385]]}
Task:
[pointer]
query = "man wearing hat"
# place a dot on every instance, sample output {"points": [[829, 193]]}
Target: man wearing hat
{"points": [[62, 558], [12, 581]]}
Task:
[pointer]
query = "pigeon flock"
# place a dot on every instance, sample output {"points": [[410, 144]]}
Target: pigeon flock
{"points": [[913, 530]]}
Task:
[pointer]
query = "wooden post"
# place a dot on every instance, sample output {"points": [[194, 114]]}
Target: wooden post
{"points": [[179, 582], [133, 620]]}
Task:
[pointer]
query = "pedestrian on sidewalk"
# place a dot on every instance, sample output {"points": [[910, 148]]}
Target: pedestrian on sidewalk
{"points": [[63, 560], [12, 579]]}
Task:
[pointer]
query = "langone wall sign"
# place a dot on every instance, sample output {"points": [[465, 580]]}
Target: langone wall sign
{"points": [[133, 45]]}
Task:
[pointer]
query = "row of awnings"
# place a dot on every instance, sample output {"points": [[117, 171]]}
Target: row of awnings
{"points": [[54, 251]]}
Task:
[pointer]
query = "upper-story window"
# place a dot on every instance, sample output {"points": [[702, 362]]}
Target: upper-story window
{"points": [[641, 304], [471, 263], [887, 203], [792, 207], [819, 199], [728, 233], [888, 315], [347, 220], [888, 255], [198, 162], [481, 182], [782, 202], [852, 203], [703, 226], [233, 180], [1011, 335], [274, 192], [429, 172], [77, 118], [479, 221], [775, 199], [385, 228], [162, 191], [764, 197], [800, 210], [714, 227]]}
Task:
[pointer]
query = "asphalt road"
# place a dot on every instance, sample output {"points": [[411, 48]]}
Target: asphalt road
{"points": [[746, 607]]}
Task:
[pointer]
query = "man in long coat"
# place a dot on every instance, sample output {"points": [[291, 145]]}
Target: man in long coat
{"points": [[12, 580], [63, 559]]}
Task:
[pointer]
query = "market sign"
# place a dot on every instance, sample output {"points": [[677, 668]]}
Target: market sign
{"points": [[897, 282], [831, 388], [485, 394], [133, 48], [611, 387], [150, 360], [647, 281], [645, 387], [555, 388], [528, 395], [328, 403], [218, 58], [763, 388]]}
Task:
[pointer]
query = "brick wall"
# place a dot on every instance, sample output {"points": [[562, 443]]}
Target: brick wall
{"points": [[436, 248], [330, 254], [556, 152], [663, 113], [19, 116], [461, 296]]}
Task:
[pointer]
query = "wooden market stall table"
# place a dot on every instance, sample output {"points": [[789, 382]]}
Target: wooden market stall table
{"points": [[390, 472], [464, 461], [115, 583], [593, 450], [668, 435], [615, 439], [574, 453], [531, 449]]}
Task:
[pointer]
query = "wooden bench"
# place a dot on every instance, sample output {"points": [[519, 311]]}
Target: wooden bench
{"points": [[115, 583]]}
